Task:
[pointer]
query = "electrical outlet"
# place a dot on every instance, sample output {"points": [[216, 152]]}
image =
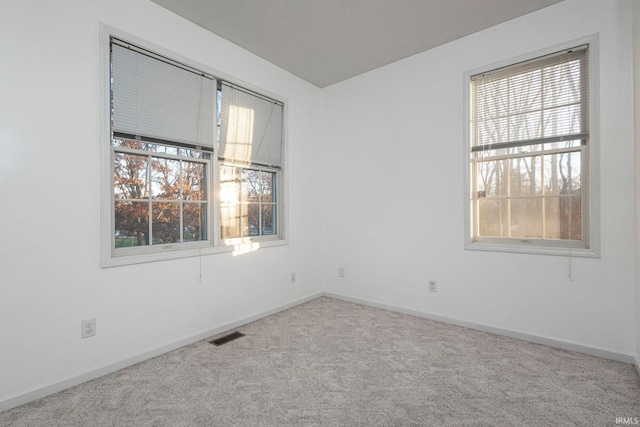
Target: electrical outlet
{"points": [[341, 272], [433, 286], [293, 277], [88, 328]]}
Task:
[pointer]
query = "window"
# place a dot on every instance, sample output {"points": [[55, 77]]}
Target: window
{"points": [[529, 153], [249, 163], [195, 163]]}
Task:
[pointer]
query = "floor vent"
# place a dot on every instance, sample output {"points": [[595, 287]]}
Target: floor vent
{"points": [[225, 339]]}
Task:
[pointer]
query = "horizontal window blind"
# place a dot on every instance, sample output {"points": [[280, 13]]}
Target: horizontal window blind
{"points": [[250, 128], [154, 98], [536, 102]]}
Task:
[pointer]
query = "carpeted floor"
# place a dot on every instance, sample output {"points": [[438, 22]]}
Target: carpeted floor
{"points": [[330, 362]]}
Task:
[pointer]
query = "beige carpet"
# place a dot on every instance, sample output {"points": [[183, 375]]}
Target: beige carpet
{"points": [[330, 362]]}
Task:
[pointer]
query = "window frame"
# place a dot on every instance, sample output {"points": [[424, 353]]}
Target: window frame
{"points": [[214, 244], [276, 182], [590, 179]]}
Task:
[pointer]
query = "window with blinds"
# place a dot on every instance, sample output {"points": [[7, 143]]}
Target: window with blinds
{"points": [[529, 126], [195, 161], [250, 155]]}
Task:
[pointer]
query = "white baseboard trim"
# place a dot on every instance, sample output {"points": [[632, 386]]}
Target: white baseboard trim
{"points": [[48, 388], [538, 339]]}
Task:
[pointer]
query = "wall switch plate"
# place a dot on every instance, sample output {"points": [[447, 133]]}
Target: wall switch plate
{"points": [[341, 272], [88, 328], [293, 277]]}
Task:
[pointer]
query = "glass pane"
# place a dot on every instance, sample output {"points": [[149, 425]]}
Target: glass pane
{"points": [[493, 95], [131, 224], [485, 154], [194, 222], [525, 149], [525, 126], [165, 179], [562, 174], [229, 185], [230, 221], [562, 144], [563, 218], [159, 148], [526, 218], [130, 179], [269, 219], [492, 131], [526, 176], [492, 178], [194, 183], [525, 92], [165, 222], [268, 179], [251, 220], [251, 185], [128, 143], [562, 120], [562, 84], [493, 218]]}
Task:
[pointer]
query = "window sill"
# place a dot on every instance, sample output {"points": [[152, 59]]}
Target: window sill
{"points": [[533, 249], [234, 247]]}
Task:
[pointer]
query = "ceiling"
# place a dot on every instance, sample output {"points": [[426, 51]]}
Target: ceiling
{"points": [[327, 41]]}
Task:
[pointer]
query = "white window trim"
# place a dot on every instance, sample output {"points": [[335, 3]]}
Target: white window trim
{"points": [[168, 252], [592, 180]]}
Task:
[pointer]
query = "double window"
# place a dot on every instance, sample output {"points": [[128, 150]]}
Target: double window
{"points": [[195, 162], [529, 153]]}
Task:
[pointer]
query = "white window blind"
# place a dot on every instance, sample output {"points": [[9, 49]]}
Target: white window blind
{"points": [[250, 128], [537, 102], [155, 98]]}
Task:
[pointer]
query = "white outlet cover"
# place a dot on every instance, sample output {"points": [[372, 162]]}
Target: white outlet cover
{"points": [[88, 328]]}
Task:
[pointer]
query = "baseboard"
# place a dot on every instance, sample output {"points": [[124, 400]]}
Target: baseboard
{"points": [[46, 389], [538, 339]]}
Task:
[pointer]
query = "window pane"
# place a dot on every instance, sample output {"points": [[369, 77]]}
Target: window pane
{"points": [[251, 221], [494, 99], [525, 126], [194, 222], [492, 131], [492, 178], [525, 92], [562, 84], [526, 176], [165, 179], [493, 218], [562, 144], [194, 183], [229, 185], [563, 218], [562, 173], [130, 176], [131, 224], [251, 185], [562, 121], [526, 218], [268, 219], [230, 221], [267, 187], [165, 222]]}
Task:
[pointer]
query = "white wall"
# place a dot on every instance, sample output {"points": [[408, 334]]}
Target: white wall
{"points": [[394, 191], [49, 215]]}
